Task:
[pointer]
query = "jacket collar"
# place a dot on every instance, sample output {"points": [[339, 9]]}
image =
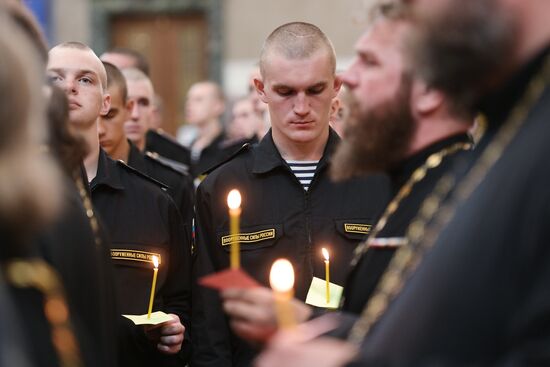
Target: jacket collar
{"points": [[136, 159], [107, 173], [267, 156]]}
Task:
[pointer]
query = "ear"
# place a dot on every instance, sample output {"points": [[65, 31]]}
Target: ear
{"points": [[260, 88], [334, 106], [425, 99], [130, 105], [105, 105], [337, 84]]}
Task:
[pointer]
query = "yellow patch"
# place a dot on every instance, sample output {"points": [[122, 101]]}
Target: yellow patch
{"points": [[266, 234], [357, 228], [134, 255]]}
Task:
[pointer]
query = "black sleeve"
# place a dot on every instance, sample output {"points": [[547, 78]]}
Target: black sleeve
{"points": [[176, 292], [210, 329]]}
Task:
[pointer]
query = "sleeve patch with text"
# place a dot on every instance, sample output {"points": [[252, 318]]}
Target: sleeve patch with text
{"points": [[134, 255], [357, 228], [249, 237]]}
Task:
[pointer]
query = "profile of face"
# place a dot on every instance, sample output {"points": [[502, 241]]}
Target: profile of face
{"points": [[78, 73], [140, 95], [381, 123], [340, 111], [245, 121], [202, 104], [111, 125], [298, 93], [462, 47]]}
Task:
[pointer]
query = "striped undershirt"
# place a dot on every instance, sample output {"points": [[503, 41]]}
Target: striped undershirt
{"points": [[304, 171]]}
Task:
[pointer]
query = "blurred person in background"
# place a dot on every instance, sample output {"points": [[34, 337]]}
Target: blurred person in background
{"points": [[204, 107], [124, 58], [341, 111], [30, 199], [246, 123]]}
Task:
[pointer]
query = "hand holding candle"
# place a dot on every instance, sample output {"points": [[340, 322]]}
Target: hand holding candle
{"points": [[281, 279], [327, 273], [234, 204], [152, 297]]}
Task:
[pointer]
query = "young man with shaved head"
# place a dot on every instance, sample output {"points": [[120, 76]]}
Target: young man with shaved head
{"points": [[141, 219], [287, 194], [130, 105]]}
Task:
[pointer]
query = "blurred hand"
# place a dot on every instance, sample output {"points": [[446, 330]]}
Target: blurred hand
{"points": [[168, 336], [289, 349], [253, 315]]}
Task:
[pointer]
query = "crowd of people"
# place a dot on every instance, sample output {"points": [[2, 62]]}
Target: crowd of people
{"points": [[419, 169]]}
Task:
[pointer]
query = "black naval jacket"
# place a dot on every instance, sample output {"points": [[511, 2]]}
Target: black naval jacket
{"points": [[179, 186], [279, 219], [217, 152], [159, 142], [481, 296], [143, 221]]}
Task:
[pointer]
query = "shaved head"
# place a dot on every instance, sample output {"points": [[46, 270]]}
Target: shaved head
{"points": [[136, 75], [115, 80], [81, 46], [296, 40]]}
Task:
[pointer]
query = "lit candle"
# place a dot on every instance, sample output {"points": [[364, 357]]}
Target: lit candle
{"points": [[234, 204], [281, 279], [327, 273], [152, 297]]}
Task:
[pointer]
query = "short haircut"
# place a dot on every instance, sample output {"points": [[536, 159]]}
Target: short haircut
{"points": [[115, 79], [140, 62], [216, 89], [136, 75], [74, 44], [83, 47], [296, 40]]}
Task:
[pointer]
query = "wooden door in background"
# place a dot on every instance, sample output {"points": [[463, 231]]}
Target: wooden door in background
{"points": [[176, 48]]}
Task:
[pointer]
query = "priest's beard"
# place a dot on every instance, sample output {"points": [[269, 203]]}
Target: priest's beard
{"points": [[376, 140], [464, 50]]}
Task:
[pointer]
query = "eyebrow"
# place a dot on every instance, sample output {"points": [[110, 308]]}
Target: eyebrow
{"points": [[78, 71], [316, 85]]}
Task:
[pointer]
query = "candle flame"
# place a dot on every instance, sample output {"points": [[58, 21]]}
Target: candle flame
{"points": [[234, 199], [156, 262], [325, 253], [281, 277]]}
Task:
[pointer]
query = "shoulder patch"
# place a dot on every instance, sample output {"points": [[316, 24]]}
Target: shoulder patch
{"points": [[175, 166], [245, 148], [157, 158], [121, 163]]}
